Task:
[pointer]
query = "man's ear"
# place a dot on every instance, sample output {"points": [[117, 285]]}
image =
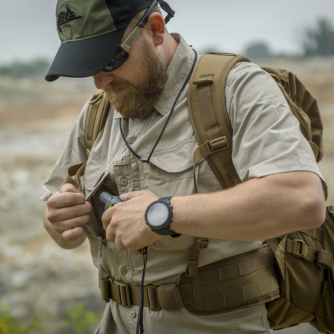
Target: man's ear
{"points": [[157, 26]]}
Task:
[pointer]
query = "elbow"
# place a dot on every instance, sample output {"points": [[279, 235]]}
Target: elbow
{"points": [[313, 211]]}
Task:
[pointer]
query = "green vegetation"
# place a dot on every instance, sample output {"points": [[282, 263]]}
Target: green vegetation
{"points": [[319, 40], [17, 69], [9, 325], [78, 320]]}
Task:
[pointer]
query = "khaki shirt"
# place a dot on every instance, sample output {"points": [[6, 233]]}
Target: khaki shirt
{"points": [[266, 140]]}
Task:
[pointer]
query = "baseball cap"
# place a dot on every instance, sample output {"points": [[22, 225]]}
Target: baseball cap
{"points": [[90, 32]]}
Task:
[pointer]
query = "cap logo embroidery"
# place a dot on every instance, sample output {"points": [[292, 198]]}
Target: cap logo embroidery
{"points": [[64, 17]]}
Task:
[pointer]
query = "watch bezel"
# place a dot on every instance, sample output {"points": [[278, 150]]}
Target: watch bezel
{"points": [[168, 220]]}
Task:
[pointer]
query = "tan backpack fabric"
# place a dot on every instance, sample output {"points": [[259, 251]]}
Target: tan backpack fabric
{"points": [[302, 260]]}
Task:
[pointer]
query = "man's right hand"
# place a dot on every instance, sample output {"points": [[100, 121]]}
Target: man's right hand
{"points": [[67, 211]]}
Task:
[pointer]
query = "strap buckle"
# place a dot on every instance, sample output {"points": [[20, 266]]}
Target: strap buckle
{"points": [[299, 248], [204, 81], [218, 144], [202, 243], [121, 293], [151, 297]]}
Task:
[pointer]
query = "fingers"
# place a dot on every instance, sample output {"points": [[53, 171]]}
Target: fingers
{"points": [[68, 187], [65, 199], [110, 235], [71, 223], [108, 215], [73, 234], [131, 194], [65, 213], [120, 245]]}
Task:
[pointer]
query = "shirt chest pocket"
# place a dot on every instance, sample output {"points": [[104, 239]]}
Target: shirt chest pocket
{"points": [[171, 173]]}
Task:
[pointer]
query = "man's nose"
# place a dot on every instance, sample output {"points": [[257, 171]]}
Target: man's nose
{"points": [[102, 79]]}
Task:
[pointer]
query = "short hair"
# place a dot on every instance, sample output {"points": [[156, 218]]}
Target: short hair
{"points": [[133, 23]]}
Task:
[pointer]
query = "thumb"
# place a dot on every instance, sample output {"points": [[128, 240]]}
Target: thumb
{"points": [[131, 194], [68, 188]]}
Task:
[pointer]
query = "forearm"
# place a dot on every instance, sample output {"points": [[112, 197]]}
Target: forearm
{"points": [[255, 210], [58, 239]]}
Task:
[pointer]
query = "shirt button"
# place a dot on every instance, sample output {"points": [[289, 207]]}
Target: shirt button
{"points": [[124, 271], [124, 182], [131, 140], [133, 314]]}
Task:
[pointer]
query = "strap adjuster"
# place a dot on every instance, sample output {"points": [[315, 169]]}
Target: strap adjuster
{"points": [[121, 293], [151, 297], [202, 243], [299, 248], [218, 144]]}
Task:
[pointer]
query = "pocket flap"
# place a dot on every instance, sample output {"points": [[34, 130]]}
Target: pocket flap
{"points": [[176, 160]]}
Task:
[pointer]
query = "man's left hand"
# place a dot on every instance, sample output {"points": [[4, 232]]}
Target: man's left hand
{"points": [[125, 223]]}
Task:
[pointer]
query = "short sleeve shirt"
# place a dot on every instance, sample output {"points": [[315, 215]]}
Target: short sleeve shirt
{"points": [[266, 141]]}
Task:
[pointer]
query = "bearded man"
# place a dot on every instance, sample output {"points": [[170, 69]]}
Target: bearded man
{"points": [[145, 155]]}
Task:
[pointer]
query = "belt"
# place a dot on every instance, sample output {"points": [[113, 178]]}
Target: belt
{"points": [[221, 286], [166, 296]]}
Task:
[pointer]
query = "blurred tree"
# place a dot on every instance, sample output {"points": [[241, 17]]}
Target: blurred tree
{"points": [[257, 50], [34, 68], [319, 40]]}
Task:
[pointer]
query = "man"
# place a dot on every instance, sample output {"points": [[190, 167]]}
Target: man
{"points": [[144, 155]]}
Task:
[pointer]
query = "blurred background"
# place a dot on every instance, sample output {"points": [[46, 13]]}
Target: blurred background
{"points": [[45, 289]]}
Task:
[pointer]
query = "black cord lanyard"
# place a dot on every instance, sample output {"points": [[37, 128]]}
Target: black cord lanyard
{"points": [[169, 116], [140, 325]]}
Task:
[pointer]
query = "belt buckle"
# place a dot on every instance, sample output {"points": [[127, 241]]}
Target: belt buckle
{"points": [[147, 297], [122, 293]]}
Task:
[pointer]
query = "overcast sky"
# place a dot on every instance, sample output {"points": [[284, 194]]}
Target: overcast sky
{"points": [[28, 27]]}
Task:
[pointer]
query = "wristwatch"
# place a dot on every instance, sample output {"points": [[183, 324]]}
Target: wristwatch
{"points": [[159, 216]]}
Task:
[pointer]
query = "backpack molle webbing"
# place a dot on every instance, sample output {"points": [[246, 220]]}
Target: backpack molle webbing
{"points": [[237, 282]]}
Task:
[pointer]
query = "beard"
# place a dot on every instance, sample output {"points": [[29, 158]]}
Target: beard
{"points": [[140, 101]]}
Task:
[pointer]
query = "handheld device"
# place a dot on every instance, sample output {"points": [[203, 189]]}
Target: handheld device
{"points": [[109, 200]]}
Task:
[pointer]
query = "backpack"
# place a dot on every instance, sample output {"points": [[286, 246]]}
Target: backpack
{"points": [[303, 260]]}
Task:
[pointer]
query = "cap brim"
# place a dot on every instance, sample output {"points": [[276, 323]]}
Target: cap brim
{"points": [[84, 58]]}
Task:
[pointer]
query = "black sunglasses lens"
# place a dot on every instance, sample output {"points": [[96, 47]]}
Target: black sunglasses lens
{"points": [[120, 58]]}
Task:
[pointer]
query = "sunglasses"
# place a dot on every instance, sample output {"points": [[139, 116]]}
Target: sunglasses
{"points": [[122, 52]]}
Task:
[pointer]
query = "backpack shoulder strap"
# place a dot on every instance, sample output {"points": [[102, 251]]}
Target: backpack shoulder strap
{"points": [[212, 126], [209, 117], [95, 121], [96, 117]]}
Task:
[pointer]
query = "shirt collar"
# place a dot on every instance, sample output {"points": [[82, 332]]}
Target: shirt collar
{"points": [[176, 74]]}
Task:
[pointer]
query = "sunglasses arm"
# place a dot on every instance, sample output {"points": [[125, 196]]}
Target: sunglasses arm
{"points": [[127, 44]]}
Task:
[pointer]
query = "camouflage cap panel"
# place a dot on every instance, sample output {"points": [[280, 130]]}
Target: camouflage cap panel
{"points": [[77, 20]]}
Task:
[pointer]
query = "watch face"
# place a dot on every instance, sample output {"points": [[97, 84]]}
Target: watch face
{"points": [[157, 214]]}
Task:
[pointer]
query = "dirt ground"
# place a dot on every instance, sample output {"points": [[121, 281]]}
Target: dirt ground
{"points": [[35, 120]]}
